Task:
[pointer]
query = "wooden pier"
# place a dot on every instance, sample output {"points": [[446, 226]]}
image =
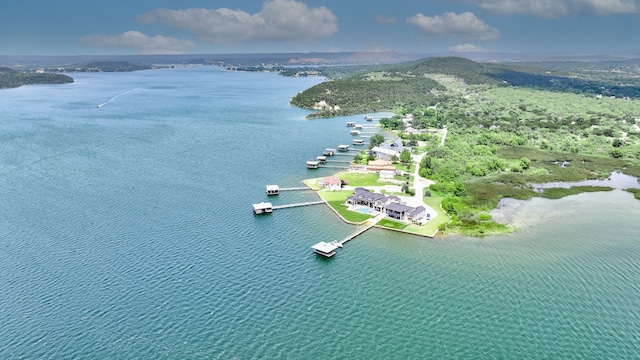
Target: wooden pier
{"points": [[317, 202], [355, 234], [334, 167], [338, 161], [296, 188]]}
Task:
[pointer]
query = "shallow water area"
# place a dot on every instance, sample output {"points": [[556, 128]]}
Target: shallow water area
{"points": [[616, 180]]}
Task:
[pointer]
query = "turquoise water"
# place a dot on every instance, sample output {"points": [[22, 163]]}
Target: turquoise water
{"points": [[126, 231]]}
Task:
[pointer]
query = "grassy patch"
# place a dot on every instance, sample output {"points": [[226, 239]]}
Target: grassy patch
{"points": [[557, 193], [431, 226], [403, 167], [360, 179], [312, 183], [484, 194], [480, 228], [391, 224]]}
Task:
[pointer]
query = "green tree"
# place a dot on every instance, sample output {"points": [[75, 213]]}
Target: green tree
{"points": [[375, 140], [405, 156], [525, 163], [616, 153]]}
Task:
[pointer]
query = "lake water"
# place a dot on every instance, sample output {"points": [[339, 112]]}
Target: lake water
{"points": [[126, 232]]}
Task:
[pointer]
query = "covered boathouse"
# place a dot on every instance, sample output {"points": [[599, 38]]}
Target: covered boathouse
{"points": [[273, 189], [325, 249], [262, 208]]}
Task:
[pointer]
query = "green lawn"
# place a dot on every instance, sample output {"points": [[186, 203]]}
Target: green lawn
{"points": [[431, 226], [391, 224], [336, 200], [312, 183], [403, 167], [360, 179]]}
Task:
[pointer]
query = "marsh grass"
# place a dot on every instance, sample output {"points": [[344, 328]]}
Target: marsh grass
{"points": [[635, 192], [558, 193]]}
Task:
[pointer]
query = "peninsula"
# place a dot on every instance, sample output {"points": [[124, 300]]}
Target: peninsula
{"points": [[10, 78], [481, 132]]}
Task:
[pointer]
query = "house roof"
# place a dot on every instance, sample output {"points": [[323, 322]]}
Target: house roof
{"points": [[324, 247], [331, 181], [399, 207], [262, 206], [417, 211], [384, 151], [379, 162]]}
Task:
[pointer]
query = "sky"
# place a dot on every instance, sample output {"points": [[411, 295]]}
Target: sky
{"points": [[124, 27]]}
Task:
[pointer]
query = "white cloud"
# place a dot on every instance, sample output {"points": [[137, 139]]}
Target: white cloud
{"points": [[557, 8], [465, 25], [543, 8], [385, 20], [278, 20], [467, 48], [142, 43], [608, 7]]}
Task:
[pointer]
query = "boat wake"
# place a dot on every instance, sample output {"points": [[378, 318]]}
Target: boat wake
{"points": [[115, 97]]}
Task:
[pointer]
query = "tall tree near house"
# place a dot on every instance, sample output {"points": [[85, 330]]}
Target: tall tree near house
{"points": [[375, 140], [405, 156]]}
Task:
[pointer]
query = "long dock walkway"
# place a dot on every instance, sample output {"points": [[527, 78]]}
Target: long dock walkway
{"points": [[334, 167], [357, 233], [296, 188], [317, 202]]}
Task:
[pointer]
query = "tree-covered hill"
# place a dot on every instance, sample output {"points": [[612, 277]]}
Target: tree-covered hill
{"points": [[356, 95], [415, 84], [10, 78]]}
